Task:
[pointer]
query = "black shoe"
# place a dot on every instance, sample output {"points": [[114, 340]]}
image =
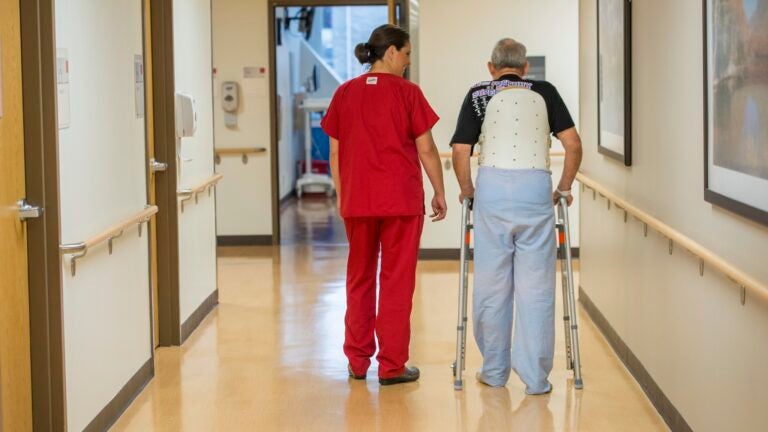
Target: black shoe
{"points": [[409, 375], [352, 374]]}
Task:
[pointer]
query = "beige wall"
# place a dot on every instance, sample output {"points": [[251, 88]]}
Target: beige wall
{"points": [[197, 224], [102, 168], [240, 39], [453, 52], [706, 351]]}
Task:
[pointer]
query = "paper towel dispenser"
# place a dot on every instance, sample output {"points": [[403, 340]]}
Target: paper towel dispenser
{"points": [[186, 115]]}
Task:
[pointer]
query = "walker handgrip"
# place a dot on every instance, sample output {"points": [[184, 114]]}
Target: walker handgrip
{"points": [[468, 202]]}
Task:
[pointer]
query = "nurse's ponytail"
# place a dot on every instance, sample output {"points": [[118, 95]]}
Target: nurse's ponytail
{"points": [[363, 53], [381, 39]]}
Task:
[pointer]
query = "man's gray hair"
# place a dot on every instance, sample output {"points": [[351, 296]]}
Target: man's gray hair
{"points": [[509, 53]]}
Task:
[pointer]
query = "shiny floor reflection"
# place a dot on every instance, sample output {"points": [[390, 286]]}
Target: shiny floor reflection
{"points": [[269, 358]]}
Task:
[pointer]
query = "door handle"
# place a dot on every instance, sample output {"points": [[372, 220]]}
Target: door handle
{"points": [[27, 211], [156, 166]]}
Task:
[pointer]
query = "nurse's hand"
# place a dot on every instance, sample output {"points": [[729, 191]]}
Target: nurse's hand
{"points": [[439, 208]]}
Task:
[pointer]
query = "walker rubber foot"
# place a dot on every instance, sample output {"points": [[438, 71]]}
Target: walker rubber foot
{"points": [[458, 385], [579, 384]]}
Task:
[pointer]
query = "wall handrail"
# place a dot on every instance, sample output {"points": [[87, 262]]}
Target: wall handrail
{"points": [[705, 256], [80, 249], [240, 151], [551, 154], [193, 192]]}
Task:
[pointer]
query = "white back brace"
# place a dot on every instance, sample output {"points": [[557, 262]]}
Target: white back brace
{"points": [[515, 132]]}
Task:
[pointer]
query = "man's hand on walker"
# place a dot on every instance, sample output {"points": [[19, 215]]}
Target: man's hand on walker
{"points": [[466, 194], [439, 208], [557, 194]]}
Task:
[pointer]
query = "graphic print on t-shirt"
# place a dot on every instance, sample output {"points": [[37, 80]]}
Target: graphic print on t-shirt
{"points": [[489, 89]]}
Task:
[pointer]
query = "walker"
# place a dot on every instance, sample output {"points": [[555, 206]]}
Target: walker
{"points": [[573, 360]]}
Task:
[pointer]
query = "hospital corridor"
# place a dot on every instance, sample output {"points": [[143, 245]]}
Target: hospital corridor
{"points": [[383, 215], [268, 358]]}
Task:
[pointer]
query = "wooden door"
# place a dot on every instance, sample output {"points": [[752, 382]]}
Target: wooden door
{"points": [[15, 380]]}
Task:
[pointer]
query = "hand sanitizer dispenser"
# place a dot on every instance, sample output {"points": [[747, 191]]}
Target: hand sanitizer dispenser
{"points": [[229, 102], [186, 115]]}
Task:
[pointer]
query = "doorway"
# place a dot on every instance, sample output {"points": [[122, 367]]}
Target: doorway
{"points": [[312, 53]]}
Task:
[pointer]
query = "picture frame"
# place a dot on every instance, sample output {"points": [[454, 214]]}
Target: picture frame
{"points": [[736, 106], [538, 68], [614, 79]]}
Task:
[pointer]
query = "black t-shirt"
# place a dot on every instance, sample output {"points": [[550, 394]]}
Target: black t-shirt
{"points": [[473, 108]]}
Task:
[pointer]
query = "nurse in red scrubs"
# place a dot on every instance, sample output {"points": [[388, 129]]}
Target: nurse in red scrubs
{"points": [[380, 128]]}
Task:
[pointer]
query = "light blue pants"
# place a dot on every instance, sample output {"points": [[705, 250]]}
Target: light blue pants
{"points": [[515, 266]]}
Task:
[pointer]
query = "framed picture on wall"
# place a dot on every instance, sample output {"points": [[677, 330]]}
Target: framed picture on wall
{"points": [[538, 68], [736, 106], [614, 79]]}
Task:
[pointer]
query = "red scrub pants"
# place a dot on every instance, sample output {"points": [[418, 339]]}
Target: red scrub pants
{"points": [[398, 240]]}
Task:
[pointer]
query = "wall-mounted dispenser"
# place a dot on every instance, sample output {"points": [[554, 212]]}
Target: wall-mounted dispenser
{"points": [[230, 101], [186, 115]]}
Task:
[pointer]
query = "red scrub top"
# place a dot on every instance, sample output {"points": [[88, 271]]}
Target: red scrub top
{"points": [[376, 118]]}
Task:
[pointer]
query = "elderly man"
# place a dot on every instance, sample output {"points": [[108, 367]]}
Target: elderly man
{"points": [[512, 119]]}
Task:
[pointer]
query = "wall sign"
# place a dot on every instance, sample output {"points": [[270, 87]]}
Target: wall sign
{"points": [[254, 72], [62, 81], [537, 69], [138, 86]]}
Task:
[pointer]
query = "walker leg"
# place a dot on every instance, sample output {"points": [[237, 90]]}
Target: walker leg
{"points": [[569, 298], [564, 284], [461, 327]]}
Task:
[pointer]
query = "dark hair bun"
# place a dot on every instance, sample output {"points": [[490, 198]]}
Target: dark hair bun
{"points": [[381, 39], [362, 53]]}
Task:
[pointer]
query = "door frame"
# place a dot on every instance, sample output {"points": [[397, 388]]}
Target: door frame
{"points": [[149, 138], [273, 117], [172, 330], [39, 88], [164, 136]]}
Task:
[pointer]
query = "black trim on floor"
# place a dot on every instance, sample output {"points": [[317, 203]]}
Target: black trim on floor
{"points": [[117, 406], [290, 196], [244, 240], [198, 315], [663, 405]]}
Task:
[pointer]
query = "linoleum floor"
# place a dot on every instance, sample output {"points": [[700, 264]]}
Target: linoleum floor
{"points": [[269, 357]]}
